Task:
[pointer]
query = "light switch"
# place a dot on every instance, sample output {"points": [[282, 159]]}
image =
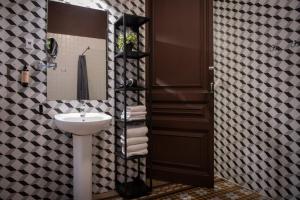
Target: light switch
{"points": [[29, 43]]}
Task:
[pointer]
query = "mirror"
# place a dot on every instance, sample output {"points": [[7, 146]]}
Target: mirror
{"points": [[76, 52]]}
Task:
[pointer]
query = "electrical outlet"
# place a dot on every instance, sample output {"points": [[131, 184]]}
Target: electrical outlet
{"points": [[29, 43]]}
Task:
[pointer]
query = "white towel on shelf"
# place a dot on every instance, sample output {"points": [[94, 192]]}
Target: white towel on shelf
{"points": [[133, 114], [134, 118], [136, 153], [136, 108], [130, 113], [135, 140], [136, 132], [136, 147]]}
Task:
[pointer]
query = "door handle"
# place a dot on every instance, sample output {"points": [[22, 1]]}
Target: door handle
{"points": [[211, 68], [211, 87]]}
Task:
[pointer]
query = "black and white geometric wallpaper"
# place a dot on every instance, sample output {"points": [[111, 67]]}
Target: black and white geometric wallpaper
{"points": [[35, 158], [257, 77], [256, 52]]}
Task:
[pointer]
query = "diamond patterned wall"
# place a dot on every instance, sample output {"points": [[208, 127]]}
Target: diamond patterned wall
{"points": [[257, 95], [36, 159]]}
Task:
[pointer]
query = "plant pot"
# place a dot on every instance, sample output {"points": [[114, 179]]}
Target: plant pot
{"points": [[129, 47]]}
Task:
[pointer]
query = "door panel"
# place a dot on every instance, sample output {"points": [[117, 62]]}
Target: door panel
{"points": [[185, 141], [179, 42], [182, 103]]}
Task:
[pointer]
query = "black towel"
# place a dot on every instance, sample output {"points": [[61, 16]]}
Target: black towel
{"points": [[82, 80]]}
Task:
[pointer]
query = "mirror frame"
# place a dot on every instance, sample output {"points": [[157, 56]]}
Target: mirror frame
{"points": [[106, 53]]}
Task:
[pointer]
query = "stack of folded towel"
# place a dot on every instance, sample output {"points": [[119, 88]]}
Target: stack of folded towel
{"points": [[134, 113], [137, 141]]}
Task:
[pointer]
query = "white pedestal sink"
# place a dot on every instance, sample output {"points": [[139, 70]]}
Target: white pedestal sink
{"points": [[82, 129]]}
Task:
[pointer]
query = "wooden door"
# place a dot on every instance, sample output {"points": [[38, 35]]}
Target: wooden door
{"points": [[182, 101]]}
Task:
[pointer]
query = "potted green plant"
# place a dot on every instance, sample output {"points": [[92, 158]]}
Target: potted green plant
{"points": [[130, 42]]}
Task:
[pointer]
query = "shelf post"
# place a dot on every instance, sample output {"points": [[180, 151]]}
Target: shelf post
{"points": [[125, 99], [115, 110], [139, 168], [138, 64]]}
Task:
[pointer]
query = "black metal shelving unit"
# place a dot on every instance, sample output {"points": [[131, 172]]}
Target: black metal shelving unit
{"points": [[141, 187]]}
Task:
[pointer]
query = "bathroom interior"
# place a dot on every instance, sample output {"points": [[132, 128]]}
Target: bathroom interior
{"points": [[149, 99]]}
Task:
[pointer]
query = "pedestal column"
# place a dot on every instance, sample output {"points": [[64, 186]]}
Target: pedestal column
{"points": [[82, 167]]}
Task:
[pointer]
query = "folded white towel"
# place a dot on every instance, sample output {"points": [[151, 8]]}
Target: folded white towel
{"points": [[134, 118], [135, 140], [136, 147], [133, 114], [136, 108], [135, 153], [137, 132]]}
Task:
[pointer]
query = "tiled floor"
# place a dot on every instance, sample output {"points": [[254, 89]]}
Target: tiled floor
{"points": [[223, 190]]}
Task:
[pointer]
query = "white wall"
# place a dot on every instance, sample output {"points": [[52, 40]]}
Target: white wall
{"points": [[62, 81]]}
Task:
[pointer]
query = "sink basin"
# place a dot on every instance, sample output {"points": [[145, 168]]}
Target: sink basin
{"points": [[90, 124]]}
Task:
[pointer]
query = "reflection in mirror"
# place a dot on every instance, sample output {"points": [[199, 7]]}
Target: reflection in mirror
{"points": [[51, 50], [76, 42], [52, 47]]}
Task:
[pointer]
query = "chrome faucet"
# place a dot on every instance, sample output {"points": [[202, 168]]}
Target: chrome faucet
{"points": [[82, 109]]}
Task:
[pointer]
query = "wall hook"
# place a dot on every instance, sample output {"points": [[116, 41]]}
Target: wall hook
{"points": [[88, 48]]}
